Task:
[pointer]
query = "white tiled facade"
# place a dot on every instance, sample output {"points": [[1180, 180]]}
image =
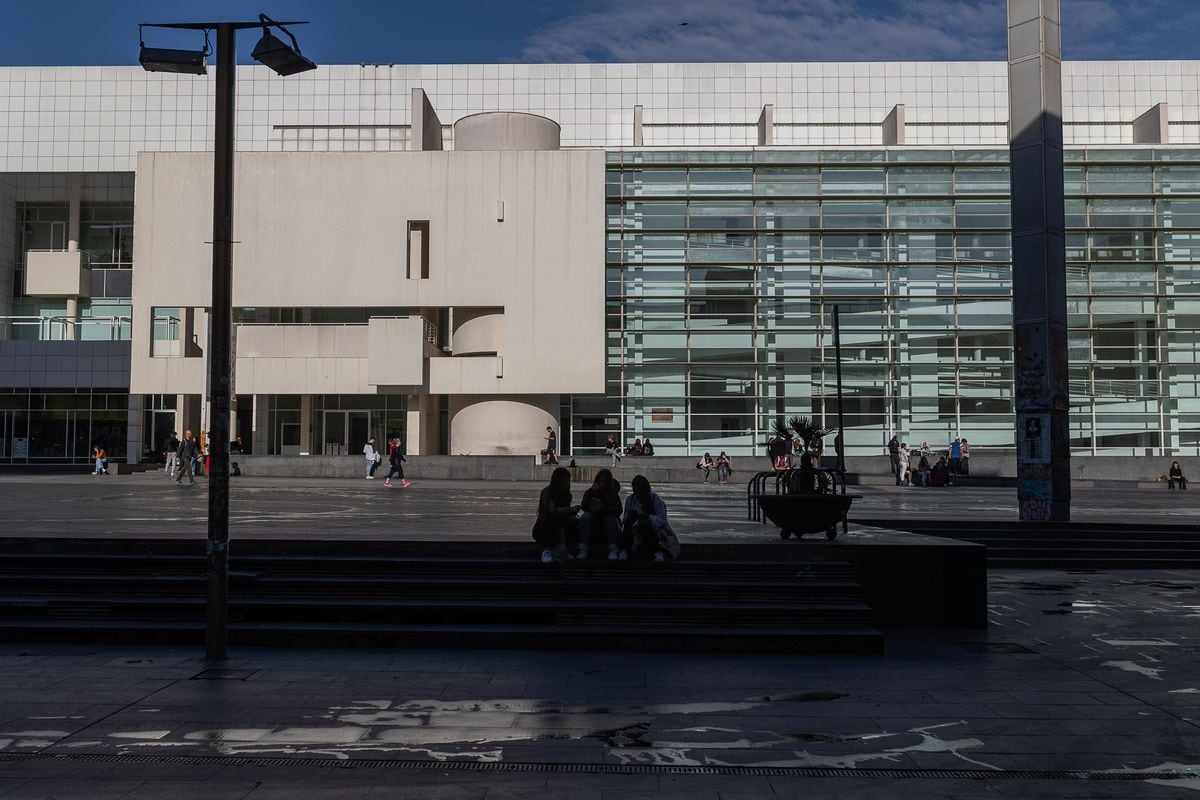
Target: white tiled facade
{"points": [[55, 119], [77, 132]]}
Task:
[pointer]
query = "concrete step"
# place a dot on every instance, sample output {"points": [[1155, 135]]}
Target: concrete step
{"points": [[670, 638]]}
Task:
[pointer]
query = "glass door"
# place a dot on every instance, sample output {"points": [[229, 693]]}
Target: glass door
{"points": [[337, 436]]}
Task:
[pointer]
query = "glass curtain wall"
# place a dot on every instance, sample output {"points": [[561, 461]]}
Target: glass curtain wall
{"points": [[723, 269]]}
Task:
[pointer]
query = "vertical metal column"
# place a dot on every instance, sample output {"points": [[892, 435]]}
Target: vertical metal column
{"points": [[1039, 261], [839, 441], [220, 359]]}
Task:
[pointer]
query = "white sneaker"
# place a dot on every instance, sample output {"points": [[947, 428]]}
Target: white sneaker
{"points": [[547, 557], [583, 550], [612, 552], [622, 556], [659, 556], [370, 477]]}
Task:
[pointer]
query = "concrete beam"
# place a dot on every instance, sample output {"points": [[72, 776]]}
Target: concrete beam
{"points": [[1151, 127], [1039, 261], [766, 125], [637, 126], [893, 126], [425, 132]]}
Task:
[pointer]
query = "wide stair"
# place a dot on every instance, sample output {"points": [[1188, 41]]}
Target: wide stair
{"points": [[1073, 545], [430, 595]]}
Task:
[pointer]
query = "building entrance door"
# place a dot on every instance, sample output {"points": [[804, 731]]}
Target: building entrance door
{"points": [[346, 432], [289, 438]]}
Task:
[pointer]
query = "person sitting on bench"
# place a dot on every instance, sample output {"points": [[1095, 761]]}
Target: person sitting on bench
{"points": [[1175, 475]]}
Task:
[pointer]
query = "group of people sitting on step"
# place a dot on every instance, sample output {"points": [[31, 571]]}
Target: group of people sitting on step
{"points": [[637, 529], [613, 448]]}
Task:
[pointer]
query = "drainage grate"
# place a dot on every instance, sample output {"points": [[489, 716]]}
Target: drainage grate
{"points": [[224, 675], [602, 769], [996, 648]]}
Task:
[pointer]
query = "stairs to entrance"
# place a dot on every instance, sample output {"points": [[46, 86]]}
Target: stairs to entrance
{"points": [[429, 594], [1073, 545]]}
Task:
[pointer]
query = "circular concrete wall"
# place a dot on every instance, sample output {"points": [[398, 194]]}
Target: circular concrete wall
{"points": [[505, 130], [481, 425], [479, 334]]}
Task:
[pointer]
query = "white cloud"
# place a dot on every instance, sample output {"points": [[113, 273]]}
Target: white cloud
{"points": [[850, 30], [773, 30]]}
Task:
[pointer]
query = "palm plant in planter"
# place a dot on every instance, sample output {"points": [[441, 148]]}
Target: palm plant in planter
{"points": [[809, 501], [810, 479]]}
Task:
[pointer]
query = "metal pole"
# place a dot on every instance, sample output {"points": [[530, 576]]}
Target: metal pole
{"points": [[220, 360], [840, 439]]}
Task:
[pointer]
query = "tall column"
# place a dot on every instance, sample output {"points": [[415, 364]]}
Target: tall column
{"points": [[1039, 261], [135, 436], [306, 426], [74, 200]]}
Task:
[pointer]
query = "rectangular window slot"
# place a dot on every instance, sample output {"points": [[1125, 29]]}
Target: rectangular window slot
{"points": [[418, 249]]}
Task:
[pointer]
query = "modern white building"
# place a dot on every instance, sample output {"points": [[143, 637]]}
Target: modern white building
{"points": [[466, 254]]}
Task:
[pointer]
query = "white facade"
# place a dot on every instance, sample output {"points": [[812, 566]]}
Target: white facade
{"points": [[509, 327], [85, 119]]}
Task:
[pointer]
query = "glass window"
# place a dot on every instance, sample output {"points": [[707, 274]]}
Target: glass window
{"points": [[852, 181], [1120, 180], [662, 215], [787, 214], [106, 233], [982, 214], [853, 247], [721, 181], [853, 214], [655, 182], [721, 215], [1178, 179], [1122, 213], [789, 181], [919, 180], [920, 213], [730, 248], [981, 180]]}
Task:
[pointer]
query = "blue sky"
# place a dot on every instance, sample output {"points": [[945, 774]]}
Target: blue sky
{"points": [[463, 31]]}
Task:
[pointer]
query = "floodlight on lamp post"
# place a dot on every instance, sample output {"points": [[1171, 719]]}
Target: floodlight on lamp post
{"points": [[284, 60]]}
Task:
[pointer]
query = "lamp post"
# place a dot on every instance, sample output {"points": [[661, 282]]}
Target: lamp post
{"points": [[284, 60]]}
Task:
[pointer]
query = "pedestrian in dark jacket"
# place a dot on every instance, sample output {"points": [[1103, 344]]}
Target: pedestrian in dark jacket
{"points": [[187, 455], [396, 461], [556, 529], [601, 512]]}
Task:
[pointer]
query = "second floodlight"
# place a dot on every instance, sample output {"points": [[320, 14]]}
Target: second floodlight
{"points": [[277, 54]]}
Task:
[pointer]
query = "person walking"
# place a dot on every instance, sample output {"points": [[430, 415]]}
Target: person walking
{"points": [[396, 461], [1175, 475], [549, 455], [707, 464], [601, 511], [187, 454], [556, 528], [612, 449], [902, 463], [170, 446], [724, 468], [371, 458], [955, 457], [647, 534], [893, 447]]}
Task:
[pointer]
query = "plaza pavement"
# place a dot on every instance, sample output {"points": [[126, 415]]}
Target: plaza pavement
{"points": [[1086, 684], [149, 505]]}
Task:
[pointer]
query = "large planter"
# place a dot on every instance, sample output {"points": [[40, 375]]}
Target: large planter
{"points": [[806, 513]]}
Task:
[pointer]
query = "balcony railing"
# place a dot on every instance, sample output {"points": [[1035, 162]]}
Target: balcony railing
{"points": [[65, 329]]}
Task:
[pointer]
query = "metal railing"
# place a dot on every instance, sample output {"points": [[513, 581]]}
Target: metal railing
{"points": [[65, 329], [791, 481]]}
